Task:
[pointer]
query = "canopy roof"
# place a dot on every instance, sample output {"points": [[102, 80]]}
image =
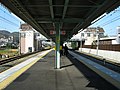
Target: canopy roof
{"points": [[73, 15]]}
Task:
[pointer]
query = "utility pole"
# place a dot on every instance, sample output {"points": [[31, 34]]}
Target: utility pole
{"points": [[97, 32], [19, 43], [19, 48], [81, 43]]}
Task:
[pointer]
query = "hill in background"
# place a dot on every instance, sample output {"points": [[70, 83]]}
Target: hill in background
{"points": [[6, 34]]}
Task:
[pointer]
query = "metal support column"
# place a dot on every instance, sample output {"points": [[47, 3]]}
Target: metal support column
{"points": [[57, 58]]}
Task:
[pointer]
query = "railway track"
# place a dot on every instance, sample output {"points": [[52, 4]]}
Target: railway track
{"points": [[106, 63], [15, 58]]}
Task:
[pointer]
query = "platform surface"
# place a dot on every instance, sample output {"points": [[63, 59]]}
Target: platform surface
{"points": [[72, 76]]}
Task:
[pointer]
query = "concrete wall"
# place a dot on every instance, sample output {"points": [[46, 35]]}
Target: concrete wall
{"points": [[22, 45], [29, 40], [110, 55]]}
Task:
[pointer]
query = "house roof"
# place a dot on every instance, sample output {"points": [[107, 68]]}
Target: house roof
{"points": [[25, 27], [94, 29], [107, 38]]}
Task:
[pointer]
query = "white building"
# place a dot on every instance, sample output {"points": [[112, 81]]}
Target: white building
{"points": [[29, 39], [118, 35], [107, 41], [88, 35], [111, 40], [26, 38]]}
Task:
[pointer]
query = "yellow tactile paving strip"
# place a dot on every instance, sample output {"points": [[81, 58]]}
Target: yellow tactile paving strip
{"points": [[12, 77]]}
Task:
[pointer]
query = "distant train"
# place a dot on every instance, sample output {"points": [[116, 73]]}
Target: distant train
{"points": [[47, 44]]}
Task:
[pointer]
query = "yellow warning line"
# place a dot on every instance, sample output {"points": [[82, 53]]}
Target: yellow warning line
{"points": [[11, 78]]}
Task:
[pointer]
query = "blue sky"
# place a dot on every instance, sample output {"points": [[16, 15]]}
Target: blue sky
{"points": [[109, 22], [9, 22]]}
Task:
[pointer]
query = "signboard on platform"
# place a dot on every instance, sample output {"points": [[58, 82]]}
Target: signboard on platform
{"points": [[52, 32], [62, 32]]}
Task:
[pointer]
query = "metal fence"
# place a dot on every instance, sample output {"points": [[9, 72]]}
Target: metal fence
{"points": [[104, 47]]}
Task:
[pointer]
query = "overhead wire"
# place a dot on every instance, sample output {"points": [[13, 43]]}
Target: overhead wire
{"points": [[8, 21], [109, 21], [5, 28], [9, 15]]}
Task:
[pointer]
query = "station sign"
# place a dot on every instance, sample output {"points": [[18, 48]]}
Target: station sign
{"points": [[52, 32], [62, 32]]}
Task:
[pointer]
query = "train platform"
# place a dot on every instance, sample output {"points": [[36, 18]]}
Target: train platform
{"points": [[72, 75]]}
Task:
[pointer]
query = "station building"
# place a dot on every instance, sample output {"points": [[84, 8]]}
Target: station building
{"points": [[29, 39]]}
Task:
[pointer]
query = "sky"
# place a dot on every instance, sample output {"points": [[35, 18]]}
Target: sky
{"points": [[109, 22], [10, 22]]}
